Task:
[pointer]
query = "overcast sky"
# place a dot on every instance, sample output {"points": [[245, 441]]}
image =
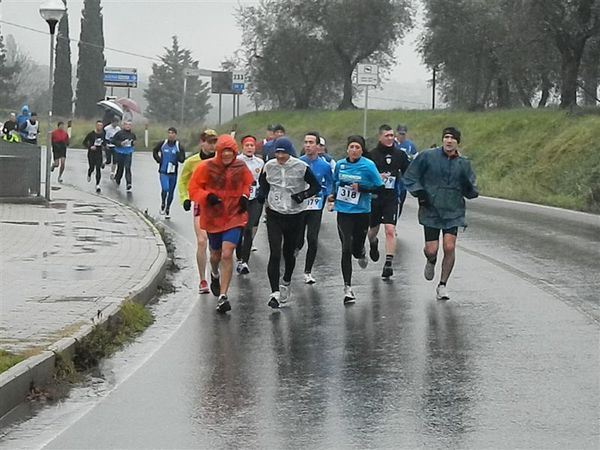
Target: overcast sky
{"points": [[144, 27]]}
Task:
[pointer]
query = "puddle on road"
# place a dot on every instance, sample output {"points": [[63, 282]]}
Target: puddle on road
{"points": [[19, 222]]}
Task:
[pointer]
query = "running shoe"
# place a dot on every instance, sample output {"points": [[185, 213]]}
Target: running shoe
{"points": [[112, 176], [309, 279], [363, 262], [167, 214], [387, 270], [244, 269], [203, 289], [238, 267], [223, 304], [98, 188], [429, 271], [162, 210], [274, 300], [60, 179], [89, 178], [349, 296], [128, 188], [374, 253], [215, 285], [285, 292], [103, 166], [442, 292], [254, 249], [52, 167]]}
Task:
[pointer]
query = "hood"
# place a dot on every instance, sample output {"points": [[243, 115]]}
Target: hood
{"points": [[225, 141], [25, 109]]}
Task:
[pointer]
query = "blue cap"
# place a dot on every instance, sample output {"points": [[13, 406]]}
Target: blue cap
{"points": [[283, 144]]}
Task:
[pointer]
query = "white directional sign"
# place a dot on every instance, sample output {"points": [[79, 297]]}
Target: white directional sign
{"points": [[367, 74], [238, 81]]}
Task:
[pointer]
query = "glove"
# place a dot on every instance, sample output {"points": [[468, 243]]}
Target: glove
{"points": [[187, 204], [299, 197], [243, 204], [212, 199], [423, 198]]}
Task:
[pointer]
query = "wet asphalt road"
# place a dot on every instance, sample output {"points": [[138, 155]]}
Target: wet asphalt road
{"points": [[511, 361]]}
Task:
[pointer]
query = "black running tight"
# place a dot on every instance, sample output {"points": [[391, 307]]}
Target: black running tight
{"points": [[352, 229]]}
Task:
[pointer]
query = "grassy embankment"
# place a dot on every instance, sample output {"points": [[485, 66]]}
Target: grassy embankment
{"points": [[548, 157]]}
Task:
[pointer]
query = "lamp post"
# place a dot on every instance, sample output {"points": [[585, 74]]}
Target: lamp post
{"points": [[51, 11]]}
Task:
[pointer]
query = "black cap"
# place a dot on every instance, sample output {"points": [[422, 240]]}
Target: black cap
{"points": [[278, 127], [455, 132], [359, 140]]}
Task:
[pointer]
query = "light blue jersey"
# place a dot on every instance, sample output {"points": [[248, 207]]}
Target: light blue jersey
{"points": [[362, 171]]}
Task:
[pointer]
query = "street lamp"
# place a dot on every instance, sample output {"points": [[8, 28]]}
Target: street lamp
{"points": [[51, 11]]}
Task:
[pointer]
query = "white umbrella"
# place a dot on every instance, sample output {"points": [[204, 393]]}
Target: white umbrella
{"points": [[111, 106]]}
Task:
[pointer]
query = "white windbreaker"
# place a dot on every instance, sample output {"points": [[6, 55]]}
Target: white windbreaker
{"points": [[285, 180]]}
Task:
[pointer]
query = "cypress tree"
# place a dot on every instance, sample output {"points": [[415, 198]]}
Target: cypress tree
{"points": [[62, 94], [90, 66], [8, 85]]}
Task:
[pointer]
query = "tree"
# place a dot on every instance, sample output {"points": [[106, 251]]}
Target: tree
{"points": [[62, 93], [570, 24], [302, 53], [590, 71], [8, 72], [165, 88], [90, 66], [359, 30]]}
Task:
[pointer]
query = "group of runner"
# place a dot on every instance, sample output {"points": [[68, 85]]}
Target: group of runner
{"points": [[227, 190], [108, 145]]}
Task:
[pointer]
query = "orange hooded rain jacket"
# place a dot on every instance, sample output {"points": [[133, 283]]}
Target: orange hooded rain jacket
{"points": [[229, 183]]}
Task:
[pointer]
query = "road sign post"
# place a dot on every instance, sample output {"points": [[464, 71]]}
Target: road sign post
{"points": [[367, 75]]}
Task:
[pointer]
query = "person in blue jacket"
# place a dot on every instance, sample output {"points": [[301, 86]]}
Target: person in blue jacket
{"points": [[355, 178], [168, 154], [314, 206], [402, 142], [441, 179]]}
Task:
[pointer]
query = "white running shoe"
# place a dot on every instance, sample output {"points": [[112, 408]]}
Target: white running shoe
{"points": [[60, 179], [285, 293], [309, 279], [349, 296], [162, 211], [429, 271], [238, 267], [244, 269], [98, 188], [128, 188], [442, 292], [274, 300]]}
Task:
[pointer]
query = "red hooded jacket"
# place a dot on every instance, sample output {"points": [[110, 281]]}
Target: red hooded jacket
{"points": [[229, 183]]}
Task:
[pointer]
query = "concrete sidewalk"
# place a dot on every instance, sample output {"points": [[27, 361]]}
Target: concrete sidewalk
{"points": [[63, 266]]}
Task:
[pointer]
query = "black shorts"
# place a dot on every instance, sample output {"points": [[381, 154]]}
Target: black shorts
{"points": [[433, 234], [384, 210], [59, 152]]}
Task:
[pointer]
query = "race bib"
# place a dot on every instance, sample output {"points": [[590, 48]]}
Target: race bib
{"points": [[348, 195], [170, 167], [390, 182], [314, 203], [252, 192], [126, 143], [98, 142], [31, 135]]}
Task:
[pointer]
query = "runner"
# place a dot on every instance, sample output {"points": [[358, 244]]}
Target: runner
{"points": [[124, 141], [168, 154], [314, 205], [268, 149], [60, 141], [94, 142], [391, 164], [110, 130], [440, 178], [255, 165], [407, 146], [324, 154], [355, 179], [30, 129], [208, 140], [283, 186], [221, 186]]}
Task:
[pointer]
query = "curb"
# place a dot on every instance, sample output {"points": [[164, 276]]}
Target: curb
{"points": [[37, 371]]}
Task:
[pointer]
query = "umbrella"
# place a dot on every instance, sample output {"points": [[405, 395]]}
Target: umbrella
{"points": [[129, 103], [111, 106]]}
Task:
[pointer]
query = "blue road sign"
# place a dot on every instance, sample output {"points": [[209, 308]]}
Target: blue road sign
{"points": [[120, 77]]}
